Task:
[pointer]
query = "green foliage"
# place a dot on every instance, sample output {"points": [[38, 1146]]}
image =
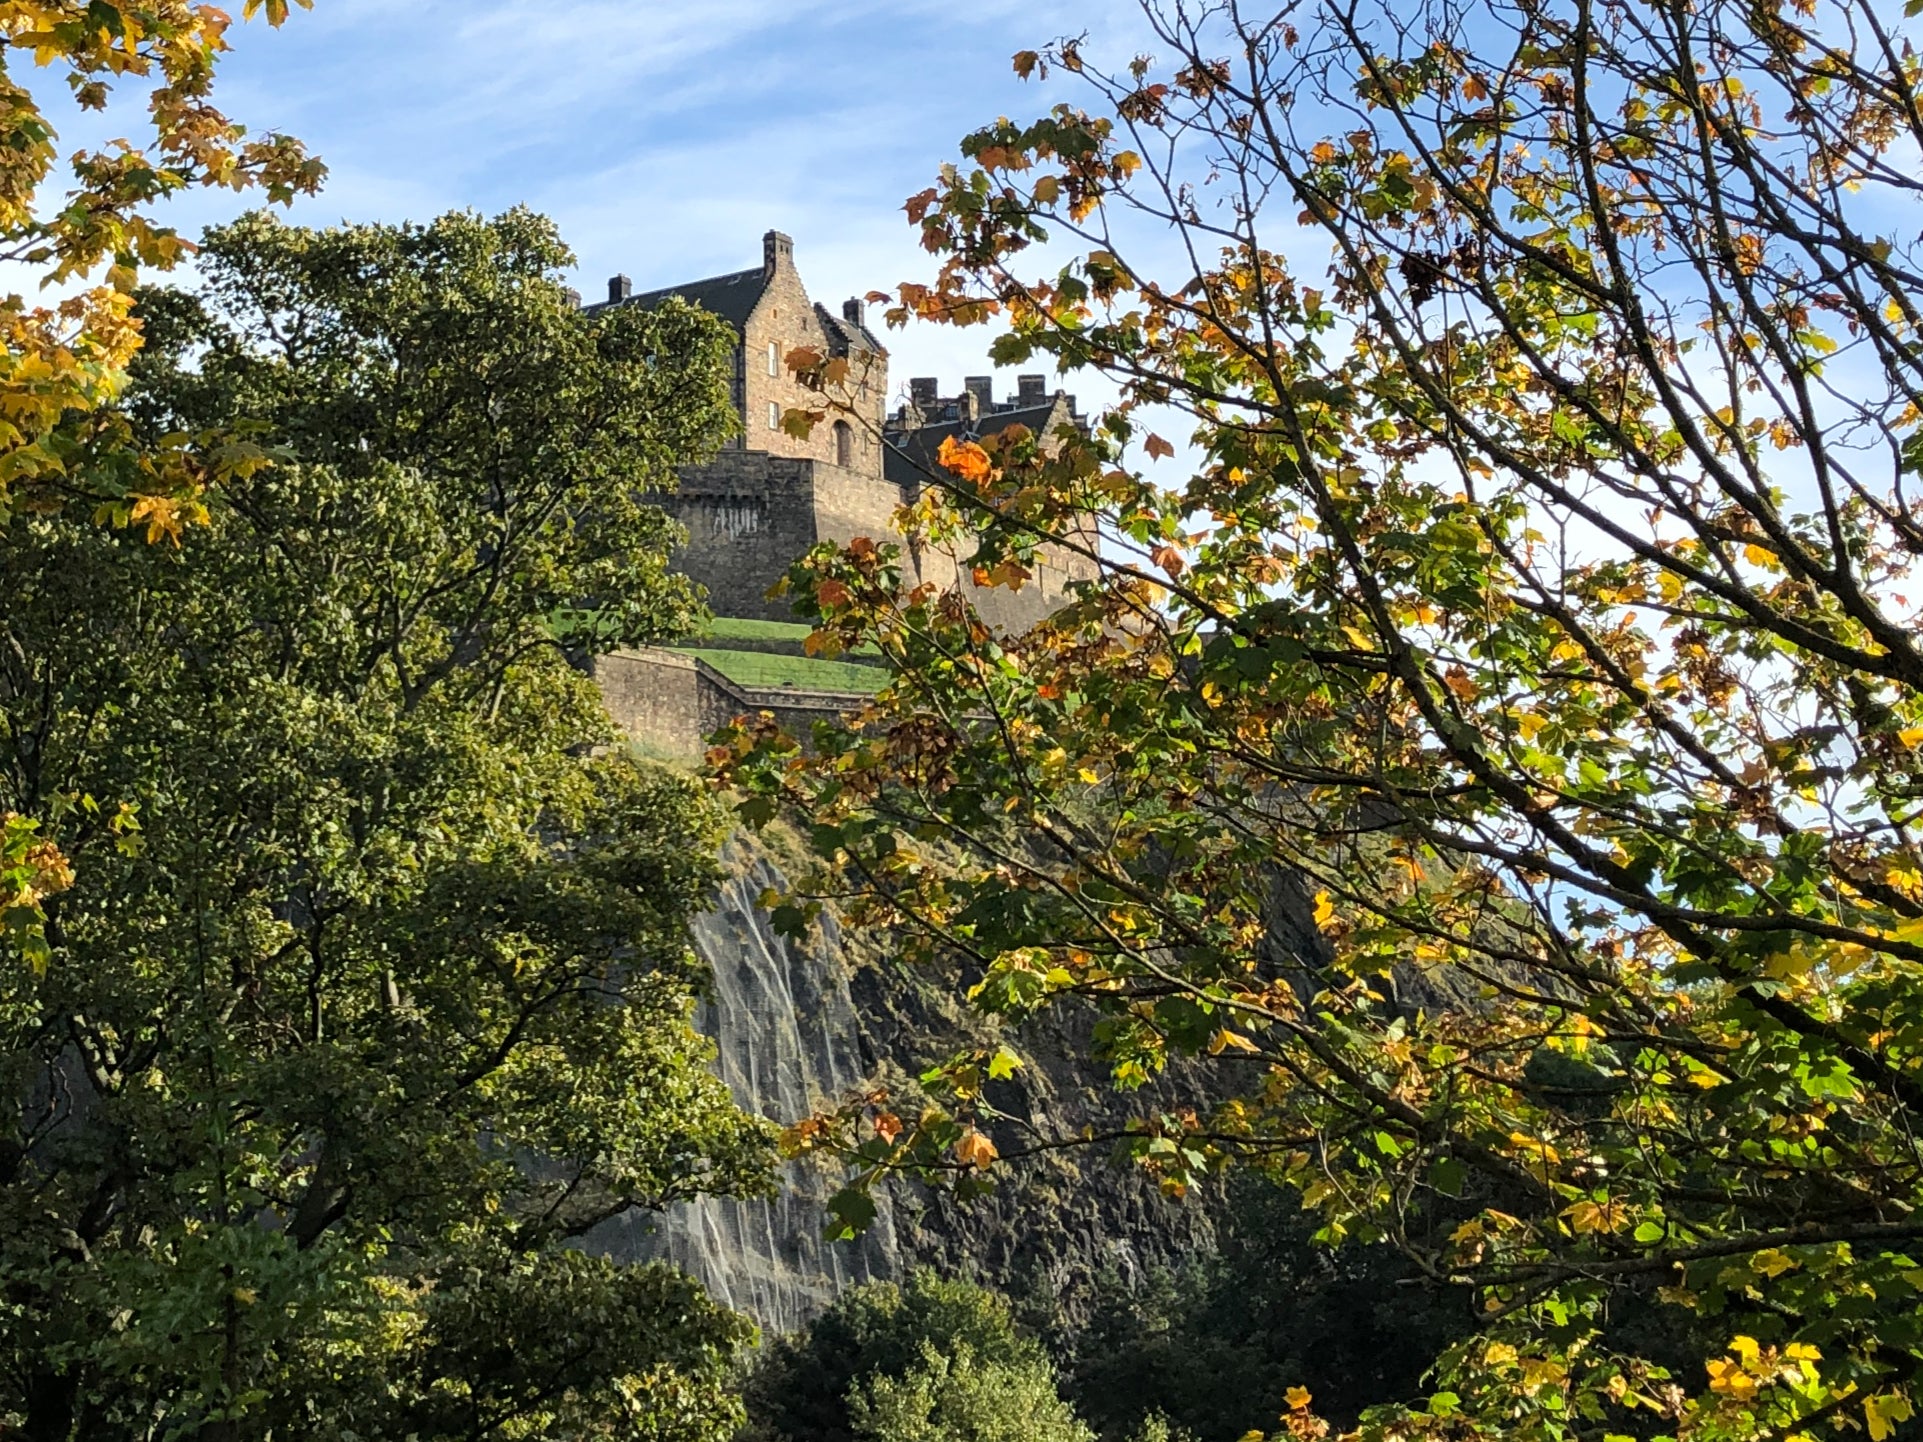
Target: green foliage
{"points": [[953, 1396], [1214, 1347], [803, 1386], [1499, 747], [387, 1000]]}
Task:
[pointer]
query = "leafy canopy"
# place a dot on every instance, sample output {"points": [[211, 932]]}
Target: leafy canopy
{"points": [[1499, 759], [875, 1365], [62, 364], [374, 1000]]}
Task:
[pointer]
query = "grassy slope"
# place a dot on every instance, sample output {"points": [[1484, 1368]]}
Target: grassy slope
{"points": [[758, 668]]}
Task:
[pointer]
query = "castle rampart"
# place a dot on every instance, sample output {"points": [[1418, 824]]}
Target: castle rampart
{"points": [[773, 495]]}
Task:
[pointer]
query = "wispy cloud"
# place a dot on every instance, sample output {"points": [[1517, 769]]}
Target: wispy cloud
{"points": [[664, 135]]}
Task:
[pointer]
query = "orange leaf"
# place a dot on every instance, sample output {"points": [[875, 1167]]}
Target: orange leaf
{"points": [[965, 459], [1157, 447], [975, 1150]]}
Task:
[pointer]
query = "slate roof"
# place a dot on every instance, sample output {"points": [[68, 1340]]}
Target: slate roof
{"points": [[848, 333], [911, 462], [732, 297]]}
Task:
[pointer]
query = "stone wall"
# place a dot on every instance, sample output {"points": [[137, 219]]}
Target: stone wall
{"points": [[850, 503], [785, 319], [671, 703], [749, 516]]}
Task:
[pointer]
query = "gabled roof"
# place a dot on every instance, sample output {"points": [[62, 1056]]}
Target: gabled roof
{"points": [[850, 334], [733, 297], [914, 460]]}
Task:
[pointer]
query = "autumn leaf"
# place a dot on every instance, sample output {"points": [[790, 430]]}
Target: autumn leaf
{"points": [[965, 459], [162, 516], [974, 1149]]}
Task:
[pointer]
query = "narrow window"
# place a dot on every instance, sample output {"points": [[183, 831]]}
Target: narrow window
{"points": [[844, 444], [774, 415], [774, 359]]}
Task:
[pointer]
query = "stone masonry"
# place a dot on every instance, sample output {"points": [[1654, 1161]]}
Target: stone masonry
{"points": [[771, 496]]}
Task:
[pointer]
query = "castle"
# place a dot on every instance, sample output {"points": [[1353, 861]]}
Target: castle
{"points": [[771, 495]]}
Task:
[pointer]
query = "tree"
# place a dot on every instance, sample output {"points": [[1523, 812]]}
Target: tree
{"points": [[953, 1397], [1213, 1345], [373, 995], [931, 1360], [62, 365], [1501, 753], [801, 1387]]}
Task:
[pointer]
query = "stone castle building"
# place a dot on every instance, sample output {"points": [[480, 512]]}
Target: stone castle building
{"points": [[771, 496]]}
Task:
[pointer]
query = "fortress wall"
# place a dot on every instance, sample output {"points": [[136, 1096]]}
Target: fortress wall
{"points": [[848, 503], [671, 702], [655, 697], [749, 518], [1044, 592]]}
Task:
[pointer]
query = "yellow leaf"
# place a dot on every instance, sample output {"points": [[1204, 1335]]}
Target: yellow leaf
{"points": [[1884, 1412], [1498, 1354], [162, 515], [1525, 1143], [1225, 1038], [1298, 1399], [1590, 1217], [1324, 911], [1727, 1377], [1772, 1263]]}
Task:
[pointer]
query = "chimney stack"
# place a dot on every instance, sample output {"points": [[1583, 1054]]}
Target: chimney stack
{"points": [[924, 391], [619, 289], [776, 248], [574, 297], [852, 311], [1031, 390], [982, 388]]}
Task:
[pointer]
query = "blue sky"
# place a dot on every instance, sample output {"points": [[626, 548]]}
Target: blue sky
{"points": [[665, 136]]}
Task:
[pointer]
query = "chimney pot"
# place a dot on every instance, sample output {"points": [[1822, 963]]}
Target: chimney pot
{"points": [[619, 289], [775, 248]]}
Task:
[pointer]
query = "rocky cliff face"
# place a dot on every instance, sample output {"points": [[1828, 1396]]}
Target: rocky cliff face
{"points": [[788, 1037], [796, 1025]]}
